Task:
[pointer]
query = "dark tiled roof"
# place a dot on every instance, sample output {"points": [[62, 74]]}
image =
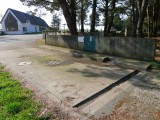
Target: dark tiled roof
{"points": [[23, 17]]}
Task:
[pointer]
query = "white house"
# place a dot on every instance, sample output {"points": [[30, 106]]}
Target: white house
{"points": [[16, 22]]}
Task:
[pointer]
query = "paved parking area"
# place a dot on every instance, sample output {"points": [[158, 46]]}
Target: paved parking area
{"points": [[57, 72], [10, 42]]}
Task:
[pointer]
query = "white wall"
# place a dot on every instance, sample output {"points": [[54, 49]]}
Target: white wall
{"points": [[11, 32], [30, 28]]}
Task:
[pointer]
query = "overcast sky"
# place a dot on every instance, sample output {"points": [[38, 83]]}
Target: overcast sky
{"points": [[17, 5]]}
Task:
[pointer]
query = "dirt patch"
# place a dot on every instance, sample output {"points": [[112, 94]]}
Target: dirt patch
{"points": [[157, 114], [120, 112], [142, 104]]}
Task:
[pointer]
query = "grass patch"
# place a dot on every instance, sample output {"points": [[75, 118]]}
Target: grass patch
{"points": [[16, 102], [40, 42], [43, 59]]}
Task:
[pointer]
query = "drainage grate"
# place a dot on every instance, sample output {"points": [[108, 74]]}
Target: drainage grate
{"points": [[108, 88]]}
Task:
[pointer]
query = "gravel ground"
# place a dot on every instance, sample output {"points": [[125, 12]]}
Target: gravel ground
{"points": [[142, 104]]}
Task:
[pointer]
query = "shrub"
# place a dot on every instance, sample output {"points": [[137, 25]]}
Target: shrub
{"points": [[156, 65]]}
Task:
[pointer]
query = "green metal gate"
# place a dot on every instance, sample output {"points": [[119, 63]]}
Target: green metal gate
{"points": [[90, 43]]}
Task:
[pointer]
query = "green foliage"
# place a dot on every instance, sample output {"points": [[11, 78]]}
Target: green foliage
{"points": [[34, 33], [56, 21], [114, 34], [156, 65], [82, 10], [118, 23], [16, 103], [13, 108]]}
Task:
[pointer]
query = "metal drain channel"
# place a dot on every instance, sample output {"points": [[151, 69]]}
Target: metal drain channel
{"points": [[106, 89]]}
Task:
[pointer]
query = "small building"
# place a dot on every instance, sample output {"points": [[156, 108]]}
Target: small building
{"points": [[16, 22]]}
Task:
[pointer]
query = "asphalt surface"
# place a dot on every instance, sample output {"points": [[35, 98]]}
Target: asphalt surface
{"points": [[10, 42]]}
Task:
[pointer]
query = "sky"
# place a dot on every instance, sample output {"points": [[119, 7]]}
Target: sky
{"points": [[17, 5]]}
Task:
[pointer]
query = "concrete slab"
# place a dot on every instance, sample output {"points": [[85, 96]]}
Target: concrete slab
{"points": [[69, 83], [73, 81], [105, 104], [130, 63], [119, 61]]}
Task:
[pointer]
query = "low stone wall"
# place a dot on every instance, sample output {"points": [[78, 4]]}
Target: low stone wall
{"points": [[137, 48]]}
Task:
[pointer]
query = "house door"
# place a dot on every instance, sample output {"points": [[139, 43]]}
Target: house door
{"points": [[24, 29]]}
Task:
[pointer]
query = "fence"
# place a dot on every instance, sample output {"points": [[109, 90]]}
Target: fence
{"points": [[137, 48]]}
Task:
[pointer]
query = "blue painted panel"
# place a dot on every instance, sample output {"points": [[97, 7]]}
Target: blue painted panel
{"points": [[90, 43]]}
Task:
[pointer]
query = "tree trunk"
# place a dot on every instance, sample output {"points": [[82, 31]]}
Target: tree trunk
{"points": [[70, 17], [73, 13], [93, 18], [142, 6], [149, 30], [82, 16], [155, 17], [134, 18], [112, 17], [106, 19]]}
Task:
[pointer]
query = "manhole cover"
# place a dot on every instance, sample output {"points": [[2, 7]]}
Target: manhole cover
{"points": [[55, 63], [24, 63]]}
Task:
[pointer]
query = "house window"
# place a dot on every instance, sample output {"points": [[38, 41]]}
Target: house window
{"points": [[24, 29], [11, 23]]}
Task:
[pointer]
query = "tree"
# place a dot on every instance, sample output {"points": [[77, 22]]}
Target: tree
{"points": [[136, 14], [69, 14], [156, 7], [67, 6], [93, 16], [106, 18], [110, 22], [134, 18], [142, 6], [109, 9], [56, 21], [82, 9], [37, 12], [118, 23]]}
